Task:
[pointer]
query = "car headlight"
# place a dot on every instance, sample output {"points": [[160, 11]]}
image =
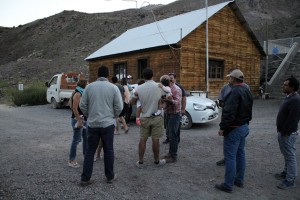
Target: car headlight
{"points": [[199, 106]]}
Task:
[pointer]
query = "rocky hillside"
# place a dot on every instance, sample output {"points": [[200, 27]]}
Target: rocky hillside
{"points": [[37, 50]]}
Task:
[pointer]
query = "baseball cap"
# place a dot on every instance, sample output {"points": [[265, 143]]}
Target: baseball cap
{"points": [[237, 74], [129, 77]]}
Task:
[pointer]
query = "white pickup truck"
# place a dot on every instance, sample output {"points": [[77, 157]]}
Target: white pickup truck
{"points": [[60, 88]]}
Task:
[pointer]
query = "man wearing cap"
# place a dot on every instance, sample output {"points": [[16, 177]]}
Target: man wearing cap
{"points": [[225, 91], [236, 115]]}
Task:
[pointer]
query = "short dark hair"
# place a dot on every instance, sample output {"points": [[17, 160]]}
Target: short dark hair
{"points": [[293, 83], [103, 72], [82, 83], [147, 73], [114, 79], [141, 81], [172, 74], [124, 81]]}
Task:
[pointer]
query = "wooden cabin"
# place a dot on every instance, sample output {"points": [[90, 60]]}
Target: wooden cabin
{"points": [[178, 44]]}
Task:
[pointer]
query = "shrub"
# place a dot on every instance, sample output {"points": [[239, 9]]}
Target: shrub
{"points": [[34, 95]]}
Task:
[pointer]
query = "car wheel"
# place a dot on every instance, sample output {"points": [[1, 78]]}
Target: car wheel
{"points": [[186, 121], [54, 104]]}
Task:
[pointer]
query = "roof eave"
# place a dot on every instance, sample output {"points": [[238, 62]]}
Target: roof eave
{"points": [[177, 45]]}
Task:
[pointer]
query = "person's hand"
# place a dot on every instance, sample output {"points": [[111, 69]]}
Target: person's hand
{"points": [[138, 121], [221, 132], [79, 124], [160, 85]]}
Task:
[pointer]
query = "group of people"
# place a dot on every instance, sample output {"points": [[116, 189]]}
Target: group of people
{"points": [[102, 101], [236, 100]]}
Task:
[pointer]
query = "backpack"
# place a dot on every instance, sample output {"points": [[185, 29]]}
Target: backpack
{"points": [[71, 100]]}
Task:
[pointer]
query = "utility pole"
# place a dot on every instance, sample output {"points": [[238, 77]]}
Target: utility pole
{"points": [[267, 58], [207, 60]]}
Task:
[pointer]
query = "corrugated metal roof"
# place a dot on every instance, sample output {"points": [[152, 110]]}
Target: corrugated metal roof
{"points": [[160, 33]]}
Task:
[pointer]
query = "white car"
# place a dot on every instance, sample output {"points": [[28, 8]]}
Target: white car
{"points": [[198, 110]]}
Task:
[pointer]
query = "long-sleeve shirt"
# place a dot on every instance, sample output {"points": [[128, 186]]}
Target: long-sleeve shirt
{"points": [[101, 102], [289, 115], [175, 106], [237, 109]]}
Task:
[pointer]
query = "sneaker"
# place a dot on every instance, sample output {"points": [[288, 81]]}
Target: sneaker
{"points": [[166, 141], [112, 180], [171, 160], [161, 162], [280, 176], [140, 166], [74, 164], [221, 162], [239, 184], [85, 183], [286, 185], [223, 188]]}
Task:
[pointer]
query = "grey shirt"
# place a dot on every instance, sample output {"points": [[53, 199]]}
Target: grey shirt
{"points": [[149, 94], [101, 102]]}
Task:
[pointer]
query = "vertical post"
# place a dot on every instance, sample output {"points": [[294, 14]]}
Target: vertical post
{"points": [[207, 60], [267, 59]]}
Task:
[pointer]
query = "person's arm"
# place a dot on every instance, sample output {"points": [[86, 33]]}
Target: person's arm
{"points": [[134, 98], [183, 105], [229, 111], [76, 100], [118, 102], [293, 111], [83, 105]]}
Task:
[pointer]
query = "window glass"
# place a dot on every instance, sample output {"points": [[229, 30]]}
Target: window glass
{"points": [[216, 69], [120, 70]]}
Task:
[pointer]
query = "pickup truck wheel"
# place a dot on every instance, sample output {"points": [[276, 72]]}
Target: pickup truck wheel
{"points": [[54, 104], [186, 121]]}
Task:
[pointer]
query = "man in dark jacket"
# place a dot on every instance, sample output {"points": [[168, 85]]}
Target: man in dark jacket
{"points": [[287, 127], [236, 115]]}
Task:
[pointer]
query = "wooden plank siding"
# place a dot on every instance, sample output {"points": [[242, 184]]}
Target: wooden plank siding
{"points": [[161, 61], [228, 41]]}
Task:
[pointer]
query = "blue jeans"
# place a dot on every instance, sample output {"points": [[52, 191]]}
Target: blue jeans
{"points": [[78, 133], [288, 150], [172, 126], [107, 137], [234, 152]]}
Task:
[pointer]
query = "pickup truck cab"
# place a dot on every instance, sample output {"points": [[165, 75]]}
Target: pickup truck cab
{"points": [[60, 88]]}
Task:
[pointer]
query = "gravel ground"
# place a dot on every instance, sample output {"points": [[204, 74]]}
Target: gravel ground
{"points": [[34, 147]]}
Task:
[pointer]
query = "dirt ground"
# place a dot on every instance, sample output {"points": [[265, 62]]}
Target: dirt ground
{"points": [[35, 142]]}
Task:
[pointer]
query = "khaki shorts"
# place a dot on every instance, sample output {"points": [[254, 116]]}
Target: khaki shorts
{"points": [[152, 127]]}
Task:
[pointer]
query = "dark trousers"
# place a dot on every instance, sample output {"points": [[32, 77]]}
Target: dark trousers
{"points": [[107, 137], [178, 131], [128, 113], [173, 124]]}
